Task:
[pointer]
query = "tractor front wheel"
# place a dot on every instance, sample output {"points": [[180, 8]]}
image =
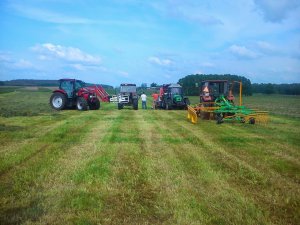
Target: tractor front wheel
{"points": [[58, 101], [81, 104], [95, 105]]}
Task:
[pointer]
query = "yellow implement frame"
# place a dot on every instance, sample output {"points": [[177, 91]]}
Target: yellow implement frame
{"points": [[192, 115]]}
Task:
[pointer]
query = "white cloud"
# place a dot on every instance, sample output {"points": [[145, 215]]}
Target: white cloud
{"points": [[161, 62], [194, 11], [242, 52], [4, 57], [48, 16], [23, 64], [265, 46], [276, 10], [8, 61], [48, 51]]}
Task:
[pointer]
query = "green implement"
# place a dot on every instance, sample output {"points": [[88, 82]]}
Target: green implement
{"points": [[217, 102]]}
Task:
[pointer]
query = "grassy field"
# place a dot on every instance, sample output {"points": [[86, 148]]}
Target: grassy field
{"points": [[146, 166]]}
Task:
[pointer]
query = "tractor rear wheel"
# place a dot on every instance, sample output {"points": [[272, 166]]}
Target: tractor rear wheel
{"points": [[58, 101], [135, 104], [81, 104], [120, 106], [95, 105]]}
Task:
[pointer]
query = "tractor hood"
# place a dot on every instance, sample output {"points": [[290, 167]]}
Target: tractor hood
{"points": [[177, 98], [86, 89], [89, 88]]}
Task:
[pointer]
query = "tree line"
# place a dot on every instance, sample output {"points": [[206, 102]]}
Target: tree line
{"points": [[192, 83], [285, 89]]}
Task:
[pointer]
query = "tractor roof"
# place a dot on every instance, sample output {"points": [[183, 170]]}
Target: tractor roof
{"points": [[172, 85], [128, 84]]}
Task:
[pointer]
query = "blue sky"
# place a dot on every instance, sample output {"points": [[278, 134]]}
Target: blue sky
{"points": [[115, 41]]}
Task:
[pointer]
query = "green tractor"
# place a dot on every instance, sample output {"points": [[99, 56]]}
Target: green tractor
{"points": [[171, 97]]}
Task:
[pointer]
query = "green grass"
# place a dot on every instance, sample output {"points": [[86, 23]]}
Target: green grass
{"points": [[146, 167]]}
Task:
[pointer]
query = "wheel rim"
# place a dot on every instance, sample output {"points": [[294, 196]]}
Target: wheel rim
{"points": [[57, 101], [79, 106]]}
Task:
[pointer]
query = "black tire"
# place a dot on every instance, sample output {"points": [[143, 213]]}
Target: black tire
{"points": [[168, 106], [95, 105], [81, 104], [187, 101], [135, 104], [252, 120], [219, 119], [120, 106], [58, 101]]}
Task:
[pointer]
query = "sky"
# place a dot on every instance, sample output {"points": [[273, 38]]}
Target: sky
{"points": [[141, 41]]}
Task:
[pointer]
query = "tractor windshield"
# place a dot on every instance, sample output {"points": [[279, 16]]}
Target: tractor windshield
{"points": [[128, 89], [79, 84], [176, 90], [218, 88]]}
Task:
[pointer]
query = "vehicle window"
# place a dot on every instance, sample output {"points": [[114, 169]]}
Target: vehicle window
{"points": [[128, 89], [68, 87], [176, 91], [79, 84]]}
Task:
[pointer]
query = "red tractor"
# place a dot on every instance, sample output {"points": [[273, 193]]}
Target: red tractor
{"points": [[73, 93]]}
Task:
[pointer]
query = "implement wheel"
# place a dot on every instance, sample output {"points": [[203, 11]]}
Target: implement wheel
{"points": [[252, 120], [219, 118]]}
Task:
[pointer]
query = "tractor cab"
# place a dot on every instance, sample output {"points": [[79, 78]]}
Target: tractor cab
{"points": [[171, 96], [211, 90], [70, 86], [175, 92]]}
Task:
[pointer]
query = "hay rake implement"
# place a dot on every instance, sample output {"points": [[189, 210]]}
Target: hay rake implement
{"points": [[217, 103]]}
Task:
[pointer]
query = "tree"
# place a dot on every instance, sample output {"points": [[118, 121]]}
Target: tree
{"points": [[153, 85]]}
